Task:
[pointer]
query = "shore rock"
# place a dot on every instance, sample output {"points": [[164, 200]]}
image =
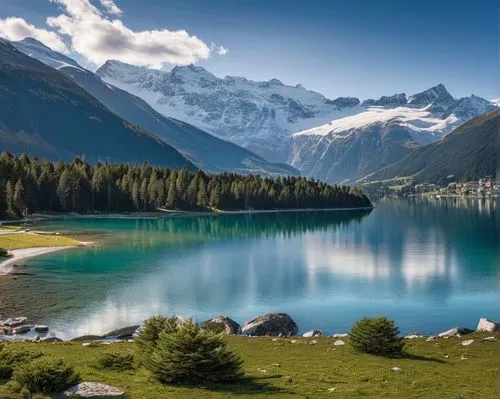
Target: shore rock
{"points": [[14, 321], [122, 333], [271, 324], [87, 338], [222, 324], [313, 333], [455, 332], [51, 339], [487, 325], [41, 328], [94, 390], [339, 335]]}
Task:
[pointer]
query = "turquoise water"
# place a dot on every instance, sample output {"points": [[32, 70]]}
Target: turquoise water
{"points": [[429, 265]]}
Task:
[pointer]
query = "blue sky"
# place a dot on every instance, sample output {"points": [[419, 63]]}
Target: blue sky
{"points": [[339, 48]]}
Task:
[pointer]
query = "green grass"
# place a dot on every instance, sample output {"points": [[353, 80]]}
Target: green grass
{"points": [[31, 239], [282, 369]]}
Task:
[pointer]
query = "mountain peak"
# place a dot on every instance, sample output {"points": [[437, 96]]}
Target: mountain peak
{"points": [[34, 42], [394, 100], [437, 97]]}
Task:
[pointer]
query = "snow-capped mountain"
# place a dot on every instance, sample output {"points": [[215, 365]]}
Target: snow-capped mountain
{"points": [[349, 148], [260, 116], [204, 150]]}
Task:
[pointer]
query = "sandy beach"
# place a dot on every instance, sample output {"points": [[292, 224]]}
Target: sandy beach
{"points": [[20, 255]]}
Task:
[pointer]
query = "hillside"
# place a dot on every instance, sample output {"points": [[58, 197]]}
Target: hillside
{"points": [[469, 152], [45, 114], [204, 150]]}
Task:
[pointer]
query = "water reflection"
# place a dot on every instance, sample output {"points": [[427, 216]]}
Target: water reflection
{"points": [[428, 265]]}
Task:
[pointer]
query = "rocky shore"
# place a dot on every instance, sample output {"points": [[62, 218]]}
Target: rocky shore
{"points": [[267, 325]]}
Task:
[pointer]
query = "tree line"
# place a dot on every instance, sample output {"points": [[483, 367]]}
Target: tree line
{"points": [[30, 185]]}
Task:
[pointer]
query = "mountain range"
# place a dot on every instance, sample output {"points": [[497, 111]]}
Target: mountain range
{"points": [[55, 108], [340, 140], [44, 113], [204, 150], [469, 152]]}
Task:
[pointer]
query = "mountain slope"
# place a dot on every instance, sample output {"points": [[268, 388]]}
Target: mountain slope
{"points": [[385, 131], [44, 113], [469, 152], [206, 151], [259, 116]]}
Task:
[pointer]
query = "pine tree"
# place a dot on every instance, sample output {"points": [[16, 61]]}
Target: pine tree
{"points": [[378, 336], [215, 196], [202, 198], [190, 355]]}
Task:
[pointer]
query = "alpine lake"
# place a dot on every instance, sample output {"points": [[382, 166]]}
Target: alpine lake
{"points": [[429, 264]]}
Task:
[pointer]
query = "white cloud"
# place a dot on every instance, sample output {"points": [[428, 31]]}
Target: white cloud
{"points": [[13, 28], [221, 50], [111, 7], [99, 38]]}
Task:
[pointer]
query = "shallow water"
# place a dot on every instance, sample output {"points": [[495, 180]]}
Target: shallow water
{"points": [[429, 265]]}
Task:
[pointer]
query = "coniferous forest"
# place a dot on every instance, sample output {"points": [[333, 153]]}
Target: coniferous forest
{"points": [[30, 185]]}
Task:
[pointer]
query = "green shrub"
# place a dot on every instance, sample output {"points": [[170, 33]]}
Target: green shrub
{"points": [[190, 355], [11, 357], [378, 336], [46, 375], [149, 333], [4, 253], [115, 361]]}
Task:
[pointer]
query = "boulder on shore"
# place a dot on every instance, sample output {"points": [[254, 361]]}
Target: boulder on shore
{"points": [[122, 333], [313, 333], [222, 324], [271, 324], [487, 325], [455, 332], [87, 338], [94, 390]]}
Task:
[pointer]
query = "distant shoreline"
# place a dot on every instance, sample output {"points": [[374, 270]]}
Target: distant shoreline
{"points": [[161, 214]]}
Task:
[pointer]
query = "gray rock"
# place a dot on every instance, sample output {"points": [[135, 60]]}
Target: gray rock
{"points": [[271, 324], [222, 324], [87, 338], [51, 339], [487, 325], [455, 332], [313, 333], [14, 321], [94, 390], [22, 329], [122, 333], [41, 328]]}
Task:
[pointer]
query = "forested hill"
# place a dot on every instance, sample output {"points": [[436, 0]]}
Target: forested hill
{"points": [[470, 152], [30, 185], [45, 114]]}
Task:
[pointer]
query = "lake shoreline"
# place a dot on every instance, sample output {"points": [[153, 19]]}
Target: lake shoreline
{"points": [[22, 254], [163, 214]]}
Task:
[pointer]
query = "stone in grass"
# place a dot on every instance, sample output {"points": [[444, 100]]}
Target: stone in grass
{"points": [[222, 324], [271, 324], [339, 342], [312, 333], [467, 342], [94, 390], [487, 325], [397, 369], [122, 333], [455, 332]]}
